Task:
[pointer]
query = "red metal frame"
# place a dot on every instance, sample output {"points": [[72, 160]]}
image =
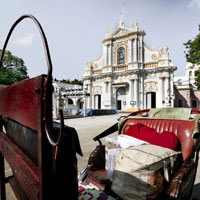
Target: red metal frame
{"points": [[23, 168], [18, 100]]}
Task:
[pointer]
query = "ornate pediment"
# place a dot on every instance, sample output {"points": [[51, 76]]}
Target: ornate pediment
{"points": [[97, 90], [120, 32], [151, 86]]}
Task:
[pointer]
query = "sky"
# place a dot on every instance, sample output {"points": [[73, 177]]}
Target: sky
{"points": [[75, 30]]}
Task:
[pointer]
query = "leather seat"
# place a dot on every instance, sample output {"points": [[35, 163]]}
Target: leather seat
{"points": [[184, 130]]}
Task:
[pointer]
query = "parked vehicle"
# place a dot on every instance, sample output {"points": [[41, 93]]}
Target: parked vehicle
{"points": [[183, 122]]}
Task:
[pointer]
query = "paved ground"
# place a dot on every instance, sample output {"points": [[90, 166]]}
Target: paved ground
{"points": [[88, 128]]}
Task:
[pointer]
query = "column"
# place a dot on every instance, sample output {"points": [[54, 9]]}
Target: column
{"points": [[132, 48], [172, 88], [107, 54], [114, 98], [85, 101], [93, 103], [130, 93], [167, 92], [136, 89], [66, 103], [163, 92], [54, 105], [57, 107], [142, 90], [110, 55], [90, 97], [161, 83], [136, 49], [140, 49], [111, 94], [129, 51], [132, 90]]}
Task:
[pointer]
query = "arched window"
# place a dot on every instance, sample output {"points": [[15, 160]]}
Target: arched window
{"points": [[194, 103], [120, 56], [70, 101], [180, 103]]}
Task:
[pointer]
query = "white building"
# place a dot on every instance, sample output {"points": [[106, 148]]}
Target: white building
{"points": [[186, 92], [67, 97], [129, 75], [189, 77]]}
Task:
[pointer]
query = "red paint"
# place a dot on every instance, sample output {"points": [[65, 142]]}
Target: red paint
{"points": [[24, 169], [21, 103]]}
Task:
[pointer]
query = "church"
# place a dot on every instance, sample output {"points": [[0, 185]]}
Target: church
{"points": [[129, 75]]}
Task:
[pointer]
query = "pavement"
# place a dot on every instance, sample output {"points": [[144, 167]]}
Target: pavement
{"points": [[87, 128]]}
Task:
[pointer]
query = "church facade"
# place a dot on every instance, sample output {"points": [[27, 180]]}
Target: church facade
{"points": [[129, 75]]}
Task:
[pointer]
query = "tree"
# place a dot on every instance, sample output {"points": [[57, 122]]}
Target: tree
{"points": [[74, 82], [77, 82], [13, 69], [193, 55], [66, 81]]}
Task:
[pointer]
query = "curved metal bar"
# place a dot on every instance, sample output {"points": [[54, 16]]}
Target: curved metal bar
{"points": [[60, 132], [48, 84], [44, 40]]}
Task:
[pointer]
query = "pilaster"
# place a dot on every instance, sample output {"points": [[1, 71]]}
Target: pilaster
{"points": [[90, 97], [129, 50], [136, 90], [167, 92]]}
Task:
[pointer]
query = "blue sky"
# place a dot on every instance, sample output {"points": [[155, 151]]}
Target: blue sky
{"points": [[75, 30]]}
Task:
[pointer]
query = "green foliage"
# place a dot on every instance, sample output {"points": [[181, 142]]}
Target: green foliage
{"points": [[74, 82], [193, 50], [197, 78], [193, 55], [66, 81], [13, 69]]}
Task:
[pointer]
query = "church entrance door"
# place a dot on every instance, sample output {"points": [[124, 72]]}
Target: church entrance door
{"points": [[121, 98], [119, 104], [150, 100]]}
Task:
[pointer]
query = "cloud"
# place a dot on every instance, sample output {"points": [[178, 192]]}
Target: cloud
{"points": [[25, 40], [194, 3]]}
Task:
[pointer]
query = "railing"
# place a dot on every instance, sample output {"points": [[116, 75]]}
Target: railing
{"points": [[151, 65]]}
